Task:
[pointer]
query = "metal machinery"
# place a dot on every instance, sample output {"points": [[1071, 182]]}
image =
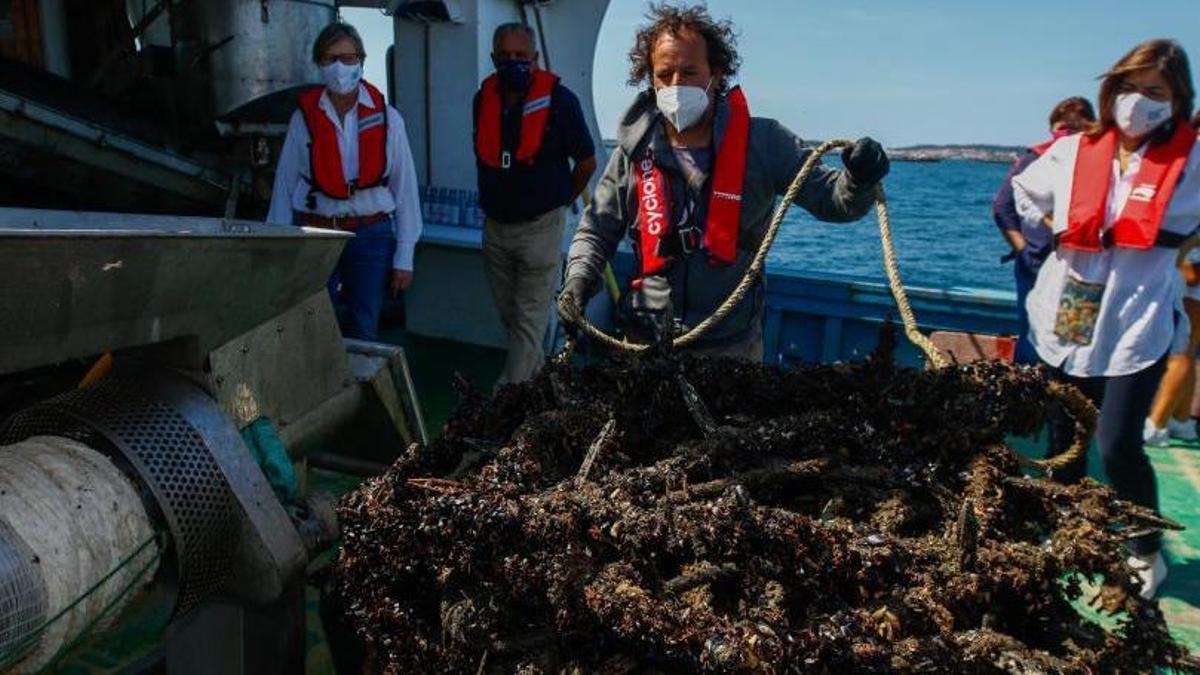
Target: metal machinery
{"points": [[211, 324], [165, 106]]}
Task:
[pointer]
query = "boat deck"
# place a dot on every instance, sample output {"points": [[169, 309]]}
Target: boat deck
{"points": [[1178, 470]]}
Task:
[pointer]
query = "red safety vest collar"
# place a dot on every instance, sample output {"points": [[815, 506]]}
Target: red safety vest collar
{"points": [[325, 158], [724, 203], [1139, 221], [1041, 148], [534, 115]]}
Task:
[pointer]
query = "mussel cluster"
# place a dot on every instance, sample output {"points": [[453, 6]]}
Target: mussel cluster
{"points": [[664, 514]]}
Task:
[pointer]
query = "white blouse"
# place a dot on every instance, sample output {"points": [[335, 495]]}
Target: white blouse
{"points": [[1142, 302], [398, 196]]}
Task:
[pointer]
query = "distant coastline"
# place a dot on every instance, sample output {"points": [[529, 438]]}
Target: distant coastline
{"points": [[1000, 154]]}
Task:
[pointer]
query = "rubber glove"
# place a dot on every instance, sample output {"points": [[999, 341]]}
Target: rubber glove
{"points": [[570, 300], [865, 161], [651, 303]]}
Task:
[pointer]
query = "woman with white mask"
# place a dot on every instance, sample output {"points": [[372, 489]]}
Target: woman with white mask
{"points": [[346, 165], [1107, 306]]}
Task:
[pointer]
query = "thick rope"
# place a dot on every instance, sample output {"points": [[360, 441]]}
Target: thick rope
{"points": [[760, 259], [81, 518], [1080, 409], [892, 268]]}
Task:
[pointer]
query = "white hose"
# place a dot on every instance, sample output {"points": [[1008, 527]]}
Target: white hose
{"points": [[80, 517]]}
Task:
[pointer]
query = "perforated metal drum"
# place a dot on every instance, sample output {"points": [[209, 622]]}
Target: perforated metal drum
{"points": [[171, 459]]}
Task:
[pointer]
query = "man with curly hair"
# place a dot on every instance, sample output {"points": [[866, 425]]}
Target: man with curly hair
{"points": [[693, 181]]}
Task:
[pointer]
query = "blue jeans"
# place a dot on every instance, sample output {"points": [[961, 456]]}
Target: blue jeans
{"points": [[1025, 353], [361, 278]]}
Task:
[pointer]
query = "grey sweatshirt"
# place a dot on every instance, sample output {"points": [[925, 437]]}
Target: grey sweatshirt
{"points": [[697, 287]]}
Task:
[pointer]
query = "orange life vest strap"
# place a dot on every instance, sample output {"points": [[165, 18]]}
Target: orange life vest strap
{"points": [[325, 157], [1138, 223], [724, 203], [534, 115]]}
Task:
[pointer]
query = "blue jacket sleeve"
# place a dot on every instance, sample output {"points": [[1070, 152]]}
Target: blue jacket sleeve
{"points": [[1004, 207]]}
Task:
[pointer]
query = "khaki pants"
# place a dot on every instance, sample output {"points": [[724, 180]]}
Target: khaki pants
{"points": [[523, 268]]}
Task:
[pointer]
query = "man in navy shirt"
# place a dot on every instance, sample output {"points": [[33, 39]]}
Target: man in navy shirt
{"points": [[529, 130]]}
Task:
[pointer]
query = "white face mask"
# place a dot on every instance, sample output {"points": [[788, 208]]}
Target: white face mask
{"points": [[1138, 115], [341, 78], [683, 105]]}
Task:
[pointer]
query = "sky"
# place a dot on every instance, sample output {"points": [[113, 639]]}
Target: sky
{"points": [[917, 71]]}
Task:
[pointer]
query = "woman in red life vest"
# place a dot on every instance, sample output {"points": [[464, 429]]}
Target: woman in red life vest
{"points": [[1121, 199], [346, 165]]}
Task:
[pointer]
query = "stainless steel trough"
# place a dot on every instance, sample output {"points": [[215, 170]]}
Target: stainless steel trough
{"points": [[74, 284]]}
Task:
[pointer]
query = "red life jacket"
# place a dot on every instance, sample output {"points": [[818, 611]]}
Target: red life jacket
{"points": [[1041, 148], [1138, 224], [724, 204], [534, 115], [325, 158]]}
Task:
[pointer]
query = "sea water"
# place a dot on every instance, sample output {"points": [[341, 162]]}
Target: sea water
{"points": [[942, 227]]}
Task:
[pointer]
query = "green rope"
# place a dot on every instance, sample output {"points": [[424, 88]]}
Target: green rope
{"points": [[32, 639], [271, 455], [121, 595]]}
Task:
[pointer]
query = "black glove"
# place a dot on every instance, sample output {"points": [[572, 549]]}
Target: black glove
{"points": [[865, 161], [651, 304], [571, 299], [1031, 259]]}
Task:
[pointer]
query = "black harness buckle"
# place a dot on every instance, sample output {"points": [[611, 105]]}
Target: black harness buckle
{"points": [[690, 239]]}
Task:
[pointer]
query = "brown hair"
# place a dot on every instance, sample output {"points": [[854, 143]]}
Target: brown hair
{"points": [[331, 34], [720, 41], [1076, 105], [1169, 59]]}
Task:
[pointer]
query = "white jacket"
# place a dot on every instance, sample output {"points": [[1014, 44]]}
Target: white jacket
{"points": [[399, 196], [1142, 304]]}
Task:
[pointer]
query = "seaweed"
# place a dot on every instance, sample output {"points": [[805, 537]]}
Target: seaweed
{"points": [[667, 514]]}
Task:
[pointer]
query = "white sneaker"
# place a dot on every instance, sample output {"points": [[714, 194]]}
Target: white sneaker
{"points": [[1155, 436], [1184, 430], [1151, 569]]}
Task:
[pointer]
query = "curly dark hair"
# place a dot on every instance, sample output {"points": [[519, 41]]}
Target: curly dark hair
{"points": [[719, 39]]}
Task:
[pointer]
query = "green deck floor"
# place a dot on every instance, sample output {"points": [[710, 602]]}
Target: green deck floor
{"points": [[434, 363], [1178, 470]]}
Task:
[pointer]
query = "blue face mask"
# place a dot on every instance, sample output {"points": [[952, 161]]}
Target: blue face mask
{"points": [[515, 74]]}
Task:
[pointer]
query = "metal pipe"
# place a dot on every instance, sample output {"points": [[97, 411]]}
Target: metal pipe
{"points": [[537, 16], [113, 56], [349, 465], [55, 46], [323, 421], [21, 107], [428, 109]]}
